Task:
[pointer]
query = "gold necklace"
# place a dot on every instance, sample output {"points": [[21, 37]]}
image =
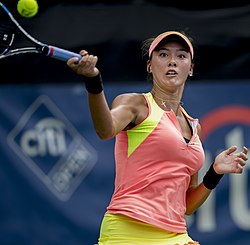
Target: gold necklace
{"points": [[163, 102]]}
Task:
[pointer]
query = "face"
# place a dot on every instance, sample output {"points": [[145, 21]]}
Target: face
{"points": [[170, 65]]}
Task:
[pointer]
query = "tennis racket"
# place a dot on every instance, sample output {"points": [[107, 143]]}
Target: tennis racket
{"points": [[10, 31]]}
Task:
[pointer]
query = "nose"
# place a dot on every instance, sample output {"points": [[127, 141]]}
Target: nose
{"points": [[172, 62]]}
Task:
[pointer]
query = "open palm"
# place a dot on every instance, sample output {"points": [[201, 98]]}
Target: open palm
{"points": [[229, 161]]}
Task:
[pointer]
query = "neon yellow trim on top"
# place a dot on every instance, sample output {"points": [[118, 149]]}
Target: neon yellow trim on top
{"points": [[146, 127]]}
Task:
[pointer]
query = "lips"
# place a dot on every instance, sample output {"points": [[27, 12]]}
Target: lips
{"points": [[171, 73]]}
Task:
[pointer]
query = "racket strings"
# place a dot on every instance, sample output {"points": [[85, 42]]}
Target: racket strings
{"points": [[7, 32], [6, 37]]}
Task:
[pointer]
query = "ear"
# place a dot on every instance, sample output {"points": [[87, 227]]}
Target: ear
{"points": [[191, 70], [149, 67]]}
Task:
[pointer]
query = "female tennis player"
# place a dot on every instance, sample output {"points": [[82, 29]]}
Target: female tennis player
{"points": [[158, 151]]}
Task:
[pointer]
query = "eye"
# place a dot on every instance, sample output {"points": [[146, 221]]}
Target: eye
{"points": [[182, 56], [163, 54]]}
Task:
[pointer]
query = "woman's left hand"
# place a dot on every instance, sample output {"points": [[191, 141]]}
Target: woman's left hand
{"points": [[230, 162]]}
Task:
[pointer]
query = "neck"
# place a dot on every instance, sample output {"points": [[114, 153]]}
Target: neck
{"points": [[167, 101]]}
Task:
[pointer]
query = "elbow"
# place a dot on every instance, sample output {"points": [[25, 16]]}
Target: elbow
{"points": [[105, 133], [104, 136], [189, 212], [190, 209]]}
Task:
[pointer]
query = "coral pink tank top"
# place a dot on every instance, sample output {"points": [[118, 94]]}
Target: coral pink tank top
{"points": [[154, 165]]}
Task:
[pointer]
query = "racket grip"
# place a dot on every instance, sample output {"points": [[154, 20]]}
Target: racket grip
{"points": [[61, 54]]}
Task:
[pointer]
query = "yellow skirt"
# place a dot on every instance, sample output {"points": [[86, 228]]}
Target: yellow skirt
{"points": [[122, 230]]}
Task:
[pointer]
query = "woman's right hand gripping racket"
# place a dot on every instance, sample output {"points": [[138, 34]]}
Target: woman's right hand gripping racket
{"points": [[10, 31]]}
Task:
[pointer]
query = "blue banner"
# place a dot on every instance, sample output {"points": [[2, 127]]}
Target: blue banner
{"points": [[57, 176]]}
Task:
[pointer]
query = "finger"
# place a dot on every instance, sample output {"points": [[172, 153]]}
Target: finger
{"points": [[72, 61], [83, 52], [231, 150], [245, 150], [86, 58], [243, 156], [240, 161], [89, 61], [239, 169], [92, 59]]}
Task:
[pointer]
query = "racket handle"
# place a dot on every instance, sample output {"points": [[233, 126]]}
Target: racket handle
{"points": [[61, 54]]}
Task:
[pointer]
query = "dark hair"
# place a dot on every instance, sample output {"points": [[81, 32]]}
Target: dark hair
{"points": [[145, 45]]}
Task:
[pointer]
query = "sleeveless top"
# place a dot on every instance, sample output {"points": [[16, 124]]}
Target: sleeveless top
{"points": [[154, 165]]}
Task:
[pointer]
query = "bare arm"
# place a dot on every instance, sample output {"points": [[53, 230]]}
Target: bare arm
{"points": [[196, 195], [107, 122], [226, 162]]}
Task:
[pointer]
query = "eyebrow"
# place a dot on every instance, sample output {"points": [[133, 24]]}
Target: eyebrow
{"points": [[181, 49]]}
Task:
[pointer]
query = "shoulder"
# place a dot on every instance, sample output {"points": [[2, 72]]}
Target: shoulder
{"points": [[129, 99], [133, 103]]}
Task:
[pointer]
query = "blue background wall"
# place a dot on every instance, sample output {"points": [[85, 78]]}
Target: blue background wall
{"points": [[54, 193], [56, 175]]}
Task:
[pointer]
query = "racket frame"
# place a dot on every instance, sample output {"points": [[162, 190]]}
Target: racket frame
{"points": [[39, 47]]}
